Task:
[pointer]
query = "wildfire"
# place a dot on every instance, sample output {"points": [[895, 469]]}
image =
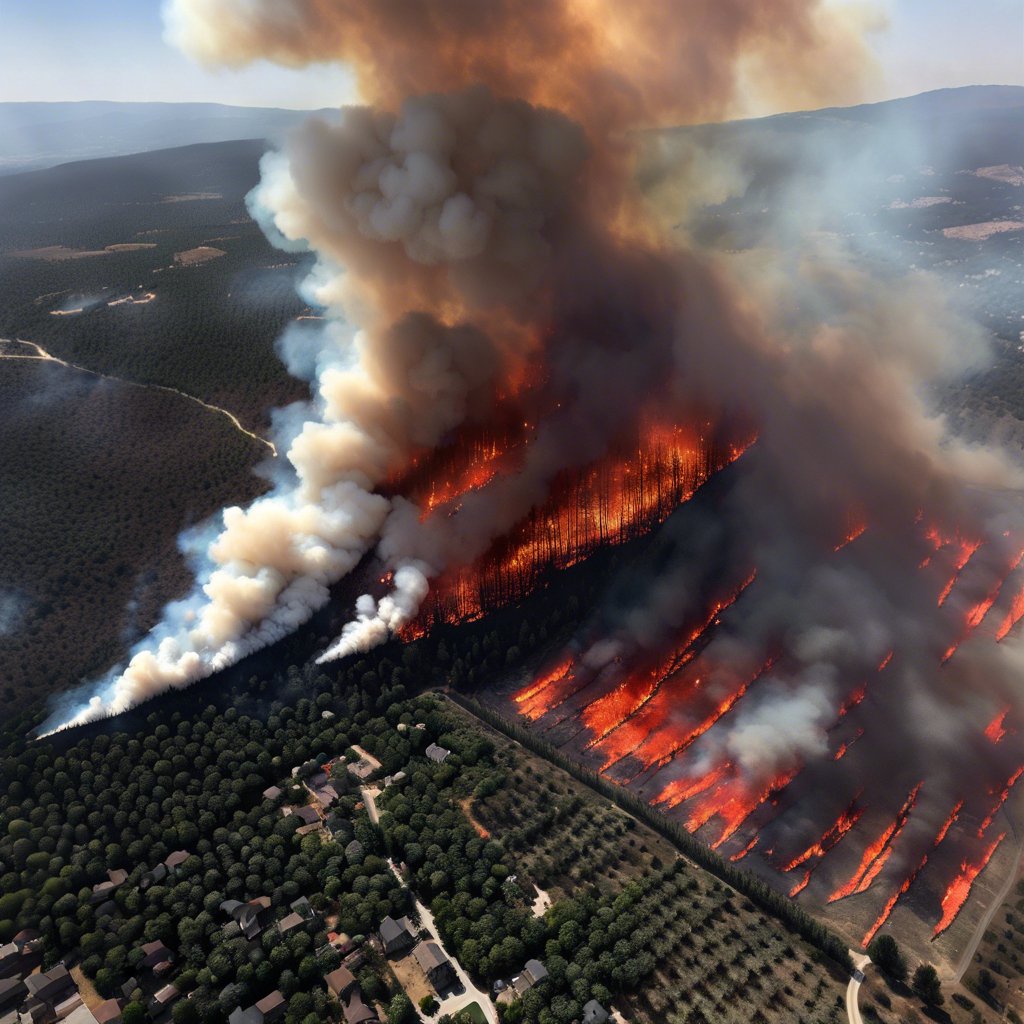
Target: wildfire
{"points": [[830, 837], [625, 495], [948, 823], [846, 744], [801, 885], [1002, 798], [857, 531], [967, 548], [530, 698], [746, 849], [678, 791], [1013, 616], [613, 710], [960, 888], [994, 731], [877, 853]]}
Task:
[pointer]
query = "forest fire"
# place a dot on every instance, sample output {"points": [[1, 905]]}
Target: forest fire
{"points": [[1003, 796], [533, 708], [831, 836], [877, 853], [966, 552], [890, 905], [1012, 617], [678, 791], [995, 730], [959, 889], [948, 823]]}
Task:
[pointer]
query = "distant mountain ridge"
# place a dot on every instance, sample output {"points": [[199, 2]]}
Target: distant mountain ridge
{"points": [[38, 135]]}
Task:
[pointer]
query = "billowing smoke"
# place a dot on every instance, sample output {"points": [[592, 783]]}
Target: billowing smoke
{"points": [[479, 256]]}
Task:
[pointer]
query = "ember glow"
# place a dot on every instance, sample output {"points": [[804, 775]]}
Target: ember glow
{"points": [[995, 730], [1001, 799]]}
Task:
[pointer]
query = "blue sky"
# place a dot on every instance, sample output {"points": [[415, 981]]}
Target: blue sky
{"points": [[114, 49]]}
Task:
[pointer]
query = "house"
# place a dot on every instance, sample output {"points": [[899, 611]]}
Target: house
{"points": [[594, 1013], [115, 879], [325, 795], [108, 1012], [307, 815], [52, 986], [81, 1015], [164, 998], [396, 936], [303, 909], [394, 780], [12, 992], [10, 960], [533, 973], [435, 965], [340, 982], [68, 1005], [317, 780], [268, 1009], [307, 830], [129, 988], [156, 954], [249, 919], [356, 1011], [175, 860], [290, 923], [436, 753], [273, 793]]}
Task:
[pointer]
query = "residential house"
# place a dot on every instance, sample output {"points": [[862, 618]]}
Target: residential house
{"points": [[154, 876], [397, 936], [435, 965], [436, 753], [268, 1009], [175, 860], [594, 1013], [356, 1011], [394, 780], [12, 992], [80, 1015], [102, 890], [155, 955], [163, 999], [10, 960], [273, 793], [249, 919], [108, 1012], [52, 986], [326, 715], [340, 982], [290, 923], [302, 907], [325, 795], [533, 973], [71, 1002], [307, 815]]}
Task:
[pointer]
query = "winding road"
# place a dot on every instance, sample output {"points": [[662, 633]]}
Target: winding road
{"points": [[860, 962], [36, 353]]}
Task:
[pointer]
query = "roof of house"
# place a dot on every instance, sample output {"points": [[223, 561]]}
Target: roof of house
{"points": [[271, 1004], [48, 983], [11, 989], [177, 858], [80, 1015], [70, 1002], [9, 952], [307, 815], [108, 1012], [272, 793], [230, 906], [594, 1013], [356, 1011], [436, 753], [340, 981], [430, 956], [152, 948], [250, 1015], [392, 930], [293, 920], [262, 902], [118, 876], [535, 970], [167, 995]]}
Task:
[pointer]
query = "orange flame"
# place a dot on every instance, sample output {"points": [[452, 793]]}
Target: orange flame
{"points": [[830, 837], [1002, 798], [531, 696], [746, 849], [877, 851], [857, 531], [994, 731], [678, 791], [966, 553], [801, 885], [1013, 616], [948, 823], [960, 888]]}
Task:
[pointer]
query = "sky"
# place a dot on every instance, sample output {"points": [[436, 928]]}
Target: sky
{"points": [[114, 50]]}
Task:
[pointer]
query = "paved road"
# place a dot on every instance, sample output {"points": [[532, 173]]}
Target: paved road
{"points": [[997, 902], [860, 962], [369, 795], [452, 1003]]}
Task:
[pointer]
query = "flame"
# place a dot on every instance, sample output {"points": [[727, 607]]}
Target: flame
{"points": [[801, 885], [960, 888], [846, 744], [530, 697], [830, 837], [1002, 798], [626, 494], [880, 849], [965, 554], [885, 662], [948, 823], [614, 709], [994, 731], [662, 745], [680, 790], [746, 849], [1013, 616], [857, 531]]}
